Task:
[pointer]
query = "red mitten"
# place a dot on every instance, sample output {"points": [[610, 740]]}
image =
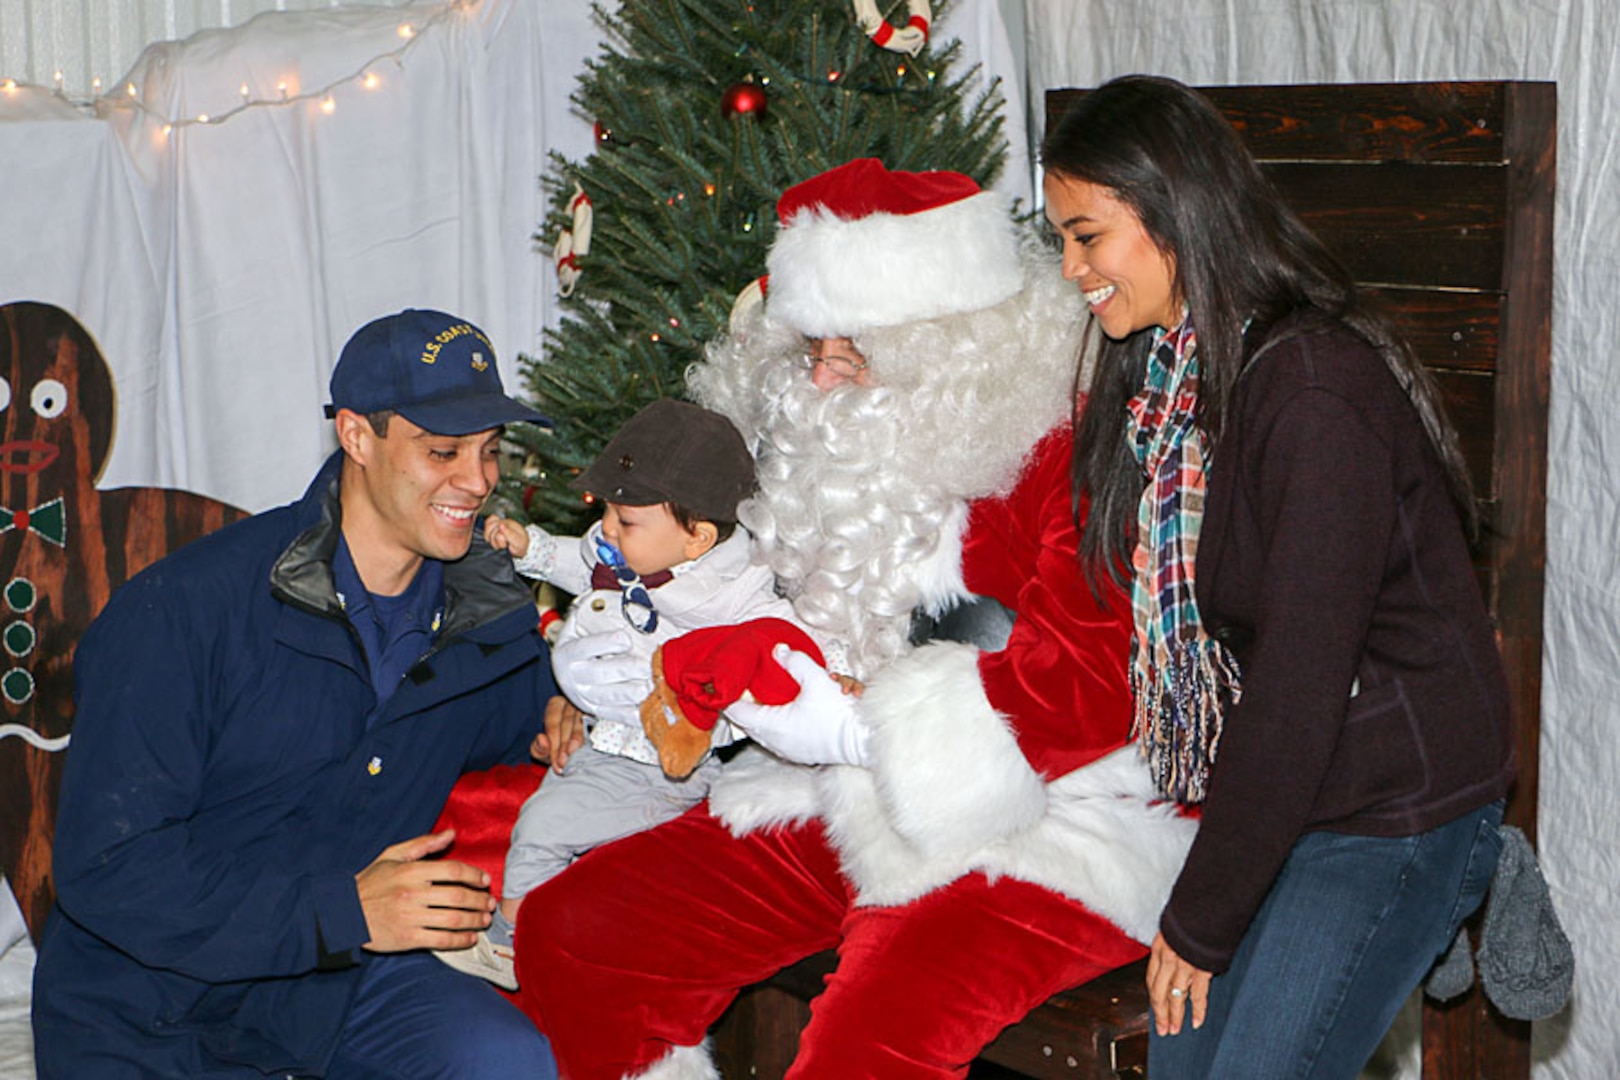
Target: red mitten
{"points": [[710, 669], [698, 674]]}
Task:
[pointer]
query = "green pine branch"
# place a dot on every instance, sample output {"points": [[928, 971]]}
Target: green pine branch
{"points": [[684, 197]]}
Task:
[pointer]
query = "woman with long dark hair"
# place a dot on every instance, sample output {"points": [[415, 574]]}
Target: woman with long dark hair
{"points": [[1270, 469]]}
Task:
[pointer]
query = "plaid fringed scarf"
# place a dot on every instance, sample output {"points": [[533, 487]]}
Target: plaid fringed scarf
{"points": [[1182, 679]]}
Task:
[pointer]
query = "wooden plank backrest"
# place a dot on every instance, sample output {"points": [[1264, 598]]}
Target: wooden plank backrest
{"points": [[1439, 197]]}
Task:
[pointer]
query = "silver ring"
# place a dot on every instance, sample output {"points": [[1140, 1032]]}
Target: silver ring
{"points": [[1176, 991]]}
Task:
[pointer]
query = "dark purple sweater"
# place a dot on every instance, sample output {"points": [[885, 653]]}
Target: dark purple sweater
{"points": [[1333, 562]]}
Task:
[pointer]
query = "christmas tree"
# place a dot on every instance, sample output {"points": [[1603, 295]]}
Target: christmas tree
{"points": [[705, 111]]}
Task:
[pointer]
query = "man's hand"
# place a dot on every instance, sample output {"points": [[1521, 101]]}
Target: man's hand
{"points": [[410, 903], [565, 730]]}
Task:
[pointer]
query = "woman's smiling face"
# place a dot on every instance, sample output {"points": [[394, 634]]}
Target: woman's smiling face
{"points": [[1128, 282]]}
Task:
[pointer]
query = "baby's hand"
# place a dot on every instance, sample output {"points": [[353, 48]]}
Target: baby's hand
{"points": [[850, 684], [504, 534]]}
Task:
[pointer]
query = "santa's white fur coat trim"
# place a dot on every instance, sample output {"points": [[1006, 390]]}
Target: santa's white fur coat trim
{"points": [[949, 793], [681, 1063], [832, 277]]}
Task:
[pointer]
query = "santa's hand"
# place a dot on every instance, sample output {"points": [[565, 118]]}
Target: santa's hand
{"points": [[599, 674], [822, 726]]}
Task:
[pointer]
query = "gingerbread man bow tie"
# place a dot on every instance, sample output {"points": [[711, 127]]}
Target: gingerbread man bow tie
{"points": [[48, 520]]}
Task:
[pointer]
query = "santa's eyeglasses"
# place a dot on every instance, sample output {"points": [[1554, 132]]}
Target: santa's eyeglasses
{"points": [[845, 367]]}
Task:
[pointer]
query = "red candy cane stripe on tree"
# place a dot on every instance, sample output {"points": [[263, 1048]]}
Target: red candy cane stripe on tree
{"points": [[573, 244], [909, 39]]}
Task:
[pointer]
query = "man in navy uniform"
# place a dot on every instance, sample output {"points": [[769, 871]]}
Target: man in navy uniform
{"points": [[268, 723]]}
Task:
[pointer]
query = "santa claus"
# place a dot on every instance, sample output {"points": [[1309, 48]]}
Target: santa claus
{"points": [[972, 833]]}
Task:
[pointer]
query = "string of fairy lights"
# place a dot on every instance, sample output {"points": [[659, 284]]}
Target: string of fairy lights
{"points": [[286, 91]]}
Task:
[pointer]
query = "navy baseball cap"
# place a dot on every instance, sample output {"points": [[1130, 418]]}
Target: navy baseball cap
{"points": [[435, 370]]}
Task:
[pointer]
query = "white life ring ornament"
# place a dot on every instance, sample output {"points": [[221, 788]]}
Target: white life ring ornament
{"points": [[909, 39]]}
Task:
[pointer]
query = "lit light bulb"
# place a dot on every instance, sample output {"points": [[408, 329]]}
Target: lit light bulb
{"points": [[202, 118], [243, 90], [328, 106], [371, 81], [407, 31], [129, 88], [11, 86], [95, 86]]}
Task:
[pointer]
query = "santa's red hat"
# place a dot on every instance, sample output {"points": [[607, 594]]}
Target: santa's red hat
{"points": [[861, 247]]}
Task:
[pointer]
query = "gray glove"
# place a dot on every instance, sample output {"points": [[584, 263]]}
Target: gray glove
{"points": [[1526, 963]]}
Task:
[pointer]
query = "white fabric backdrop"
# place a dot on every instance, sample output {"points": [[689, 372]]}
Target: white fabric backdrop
{"points": [[221, 268], [1574, 43], [89, 39]]}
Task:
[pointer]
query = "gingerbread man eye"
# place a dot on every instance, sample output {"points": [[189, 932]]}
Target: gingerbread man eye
{"points": [[49, 398], [5, 394]]}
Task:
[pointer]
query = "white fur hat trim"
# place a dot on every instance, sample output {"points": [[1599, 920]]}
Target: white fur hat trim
{"points": [[832, 277]]}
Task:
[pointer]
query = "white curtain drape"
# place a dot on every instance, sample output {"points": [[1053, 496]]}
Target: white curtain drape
{"points": [[86, 40], [354, 161]]}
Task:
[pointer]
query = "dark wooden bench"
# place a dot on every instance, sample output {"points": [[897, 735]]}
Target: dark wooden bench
{"points": [[1440, 198], [1096, 1030]]}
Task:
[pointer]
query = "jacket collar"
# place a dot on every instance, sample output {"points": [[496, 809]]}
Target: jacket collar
{"points": [[479, 588]]}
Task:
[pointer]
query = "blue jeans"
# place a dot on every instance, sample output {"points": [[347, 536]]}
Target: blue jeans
{"points": [[414, 1016], [1351, 925]]}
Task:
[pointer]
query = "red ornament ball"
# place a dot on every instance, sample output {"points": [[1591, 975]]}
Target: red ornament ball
{"points": [[747, 99], [603, 133]]}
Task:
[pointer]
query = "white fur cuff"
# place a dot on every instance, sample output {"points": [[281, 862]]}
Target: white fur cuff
{"points": [[948, 767], [681, 1063]]}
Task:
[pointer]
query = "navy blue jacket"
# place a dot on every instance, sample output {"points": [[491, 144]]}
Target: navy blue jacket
{"points": [[223, 789]]}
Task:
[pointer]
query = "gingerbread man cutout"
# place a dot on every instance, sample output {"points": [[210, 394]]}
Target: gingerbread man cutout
{"points": [[64, 547]]}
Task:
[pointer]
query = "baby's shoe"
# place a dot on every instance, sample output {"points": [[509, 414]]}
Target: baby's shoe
{"points": [[485, 959]]}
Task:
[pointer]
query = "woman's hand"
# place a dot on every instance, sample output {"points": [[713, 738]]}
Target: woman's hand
{"points": [[1173, 985]]}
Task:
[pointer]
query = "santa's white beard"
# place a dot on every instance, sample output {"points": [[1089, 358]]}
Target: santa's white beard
{"points": [[863, 490]]}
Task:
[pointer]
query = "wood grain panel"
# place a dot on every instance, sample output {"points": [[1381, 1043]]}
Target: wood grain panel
{"points": [[1410, 122]]}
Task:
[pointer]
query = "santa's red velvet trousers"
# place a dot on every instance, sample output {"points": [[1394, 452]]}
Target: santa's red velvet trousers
{"points": [[641, 945]]}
